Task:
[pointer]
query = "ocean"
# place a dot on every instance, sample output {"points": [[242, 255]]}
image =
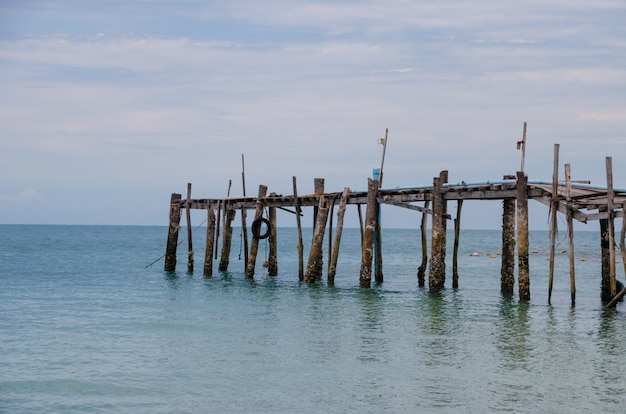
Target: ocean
{"points": [[87, 325]]}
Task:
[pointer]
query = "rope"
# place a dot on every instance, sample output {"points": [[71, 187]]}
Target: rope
{"points": [[179, 243]]}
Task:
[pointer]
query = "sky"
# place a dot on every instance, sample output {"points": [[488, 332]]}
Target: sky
{"points": [[109, 106]]}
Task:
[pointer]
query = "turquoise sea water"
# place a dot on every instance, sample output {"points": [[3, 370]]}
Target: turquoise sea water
{"points": [[85, 328]]}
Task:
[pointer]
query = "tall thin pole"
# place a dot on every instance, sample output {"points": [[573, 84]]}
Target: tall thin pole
{"points": [[553, 224], [244, 228]]}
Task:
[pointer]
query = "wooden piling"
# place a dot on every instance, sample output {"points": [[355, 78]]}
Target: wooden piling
{"points": [[332, 266], [611, 210], [378, 250], [437, 269], [622, 245], [244, 227], [318, 189], [367, 247], [554, 205], [272, 260], [605, 259], [189, 230], [299, 224], [455, 254], [358, 207], [570, 232], [210, 240], [226, 240], [522, 237], [315, 263], [507, 270], [421, 271], [254, 246], [172, 234]]}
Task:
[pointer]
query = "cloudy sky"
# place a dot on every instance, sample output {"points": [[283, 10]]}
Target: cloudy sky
{"points": [[109, 106]]}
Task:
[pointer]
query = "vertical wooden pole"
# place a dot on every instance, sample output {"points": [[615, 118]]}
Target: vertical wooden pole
{"points": [[605, 258], [421, 271], [367, 248], [570, 232], [378, 243], [210, 239], [189, 230], [254, 246], [318, 189], [272, 260], [554, 206], [330, 230], [507, 270], [332, 266], [226, 240], [299, 224], [315, 263], [172, 233], [437, 269], [611, 210], [455, 254], [220, 205], [522, 237], [244, 227], [622, 237]]}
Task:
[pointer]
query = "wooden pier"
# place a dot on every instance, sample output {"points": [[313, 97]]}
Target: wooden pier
{"points": [[574, 199]]}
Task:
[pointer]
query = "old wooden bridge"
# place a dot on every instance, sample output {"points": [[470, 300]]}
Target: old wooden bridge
{"points": [[576, 200]]}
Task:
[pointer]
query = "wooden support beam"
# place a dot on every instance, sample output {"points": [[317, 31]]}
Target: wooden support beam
{"points": [[437, 269], [570, 233], [315, 264], [272, 260], [522, 237], [210, 240], [421, 271], [172, 234], [605, 260], [227, 239], [254, 246], [189, 231], [507, 270], [554, 205], [609, 200], [332, 266], [455, 254], [299, 224], [367, 247]]}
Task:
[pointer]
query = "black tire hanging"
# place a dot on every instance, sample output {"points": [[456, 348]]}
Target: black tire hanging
{"points": [[256, 228]]}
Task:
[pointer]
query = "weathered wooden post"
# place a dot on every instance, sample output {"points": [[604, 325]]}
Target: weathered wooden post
{"points": [[172, 234], [272, 260], [210, 239], [315, 264], [244, 227], [522, 237], [189, 230], [226, 240], [421, 271], [554, 206], [611, 210], [507, 271], [367, 249], [437, 269], [570, 232], [605, 258], [299, 224], [318, 189], [455, 254], [332, 266], [622, 245], [254, 246]]}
